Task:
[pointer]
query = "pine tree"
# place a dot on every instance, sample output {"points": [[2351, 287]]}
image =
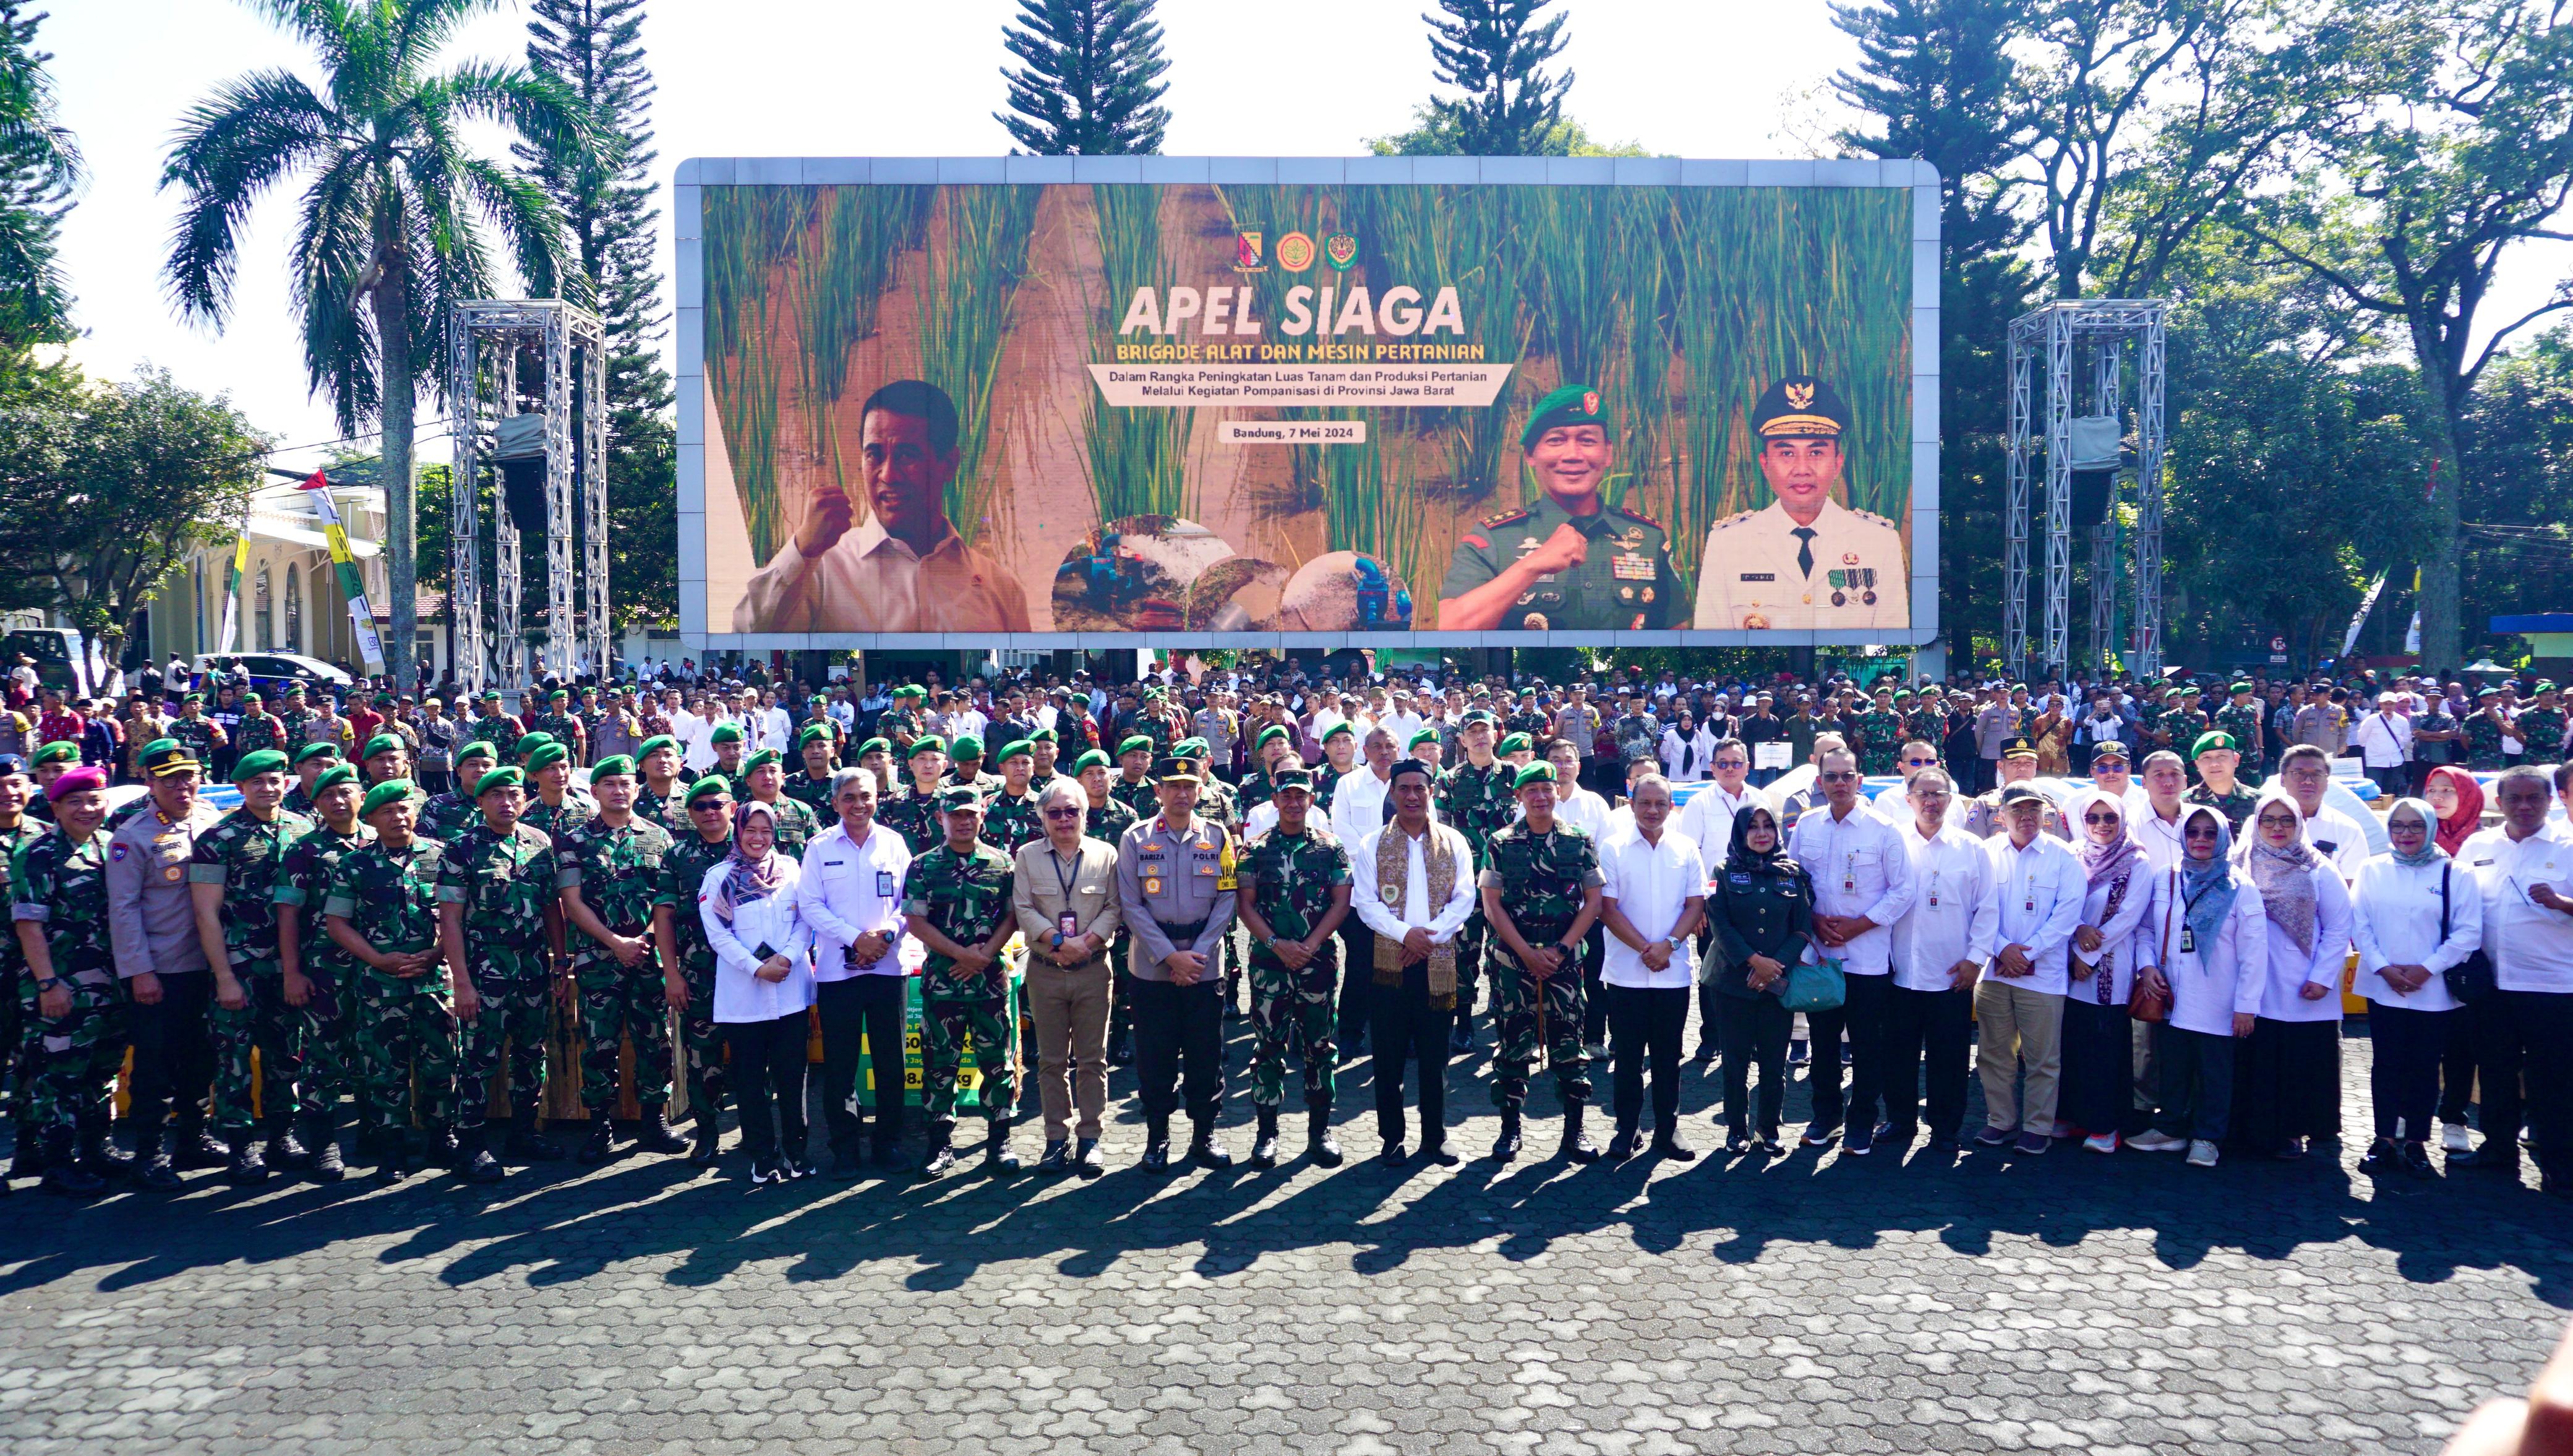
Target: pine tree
{"points": [[594, 48], [1935, 82], [1491, 50], [1091, 85], [38, 164]]}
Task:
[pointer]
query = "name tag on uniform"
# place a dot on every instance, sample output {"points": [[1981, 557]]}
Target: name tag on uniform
{"points": [[1759, 576], [884, 884]]}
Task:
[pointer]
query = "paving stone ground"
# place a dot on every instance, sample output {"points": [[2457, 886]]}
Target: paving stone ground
{"points": [[1810, 1304]]}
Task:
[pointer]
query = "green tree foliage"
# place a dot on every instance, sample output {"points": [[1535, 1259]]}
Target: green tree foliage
{"points": [[2519, 498], [1435, 135], [393, 223], [593, 49], [1491, 50], [1089, 82], [39, 166]]}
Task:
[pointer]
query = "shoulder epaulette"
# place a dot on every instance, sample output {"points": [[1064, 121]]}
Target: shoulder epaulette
{"points": [[1504, 517], [1872, 518], [1631, 514], [1737, 519]]}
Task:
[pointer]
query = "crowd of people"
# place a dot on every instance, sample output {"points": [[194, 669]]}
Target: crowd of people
{"points": [[413, 900]]}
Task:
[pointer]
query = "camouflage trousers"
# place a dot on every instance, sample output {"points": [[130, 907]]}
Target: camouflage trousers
{"points": [[322, 1027], [76, 1054], [617, 1001], [397, 1028], [267, 1024], [1520, 1000], [516, 991], [20, 1064], [1289, 1010], [700, 1040], [1470, 943], [944, 1026]]}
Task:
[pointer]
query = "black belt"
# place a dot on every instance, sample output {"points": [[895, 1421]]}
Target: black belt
{"points": [[1183, 935]]}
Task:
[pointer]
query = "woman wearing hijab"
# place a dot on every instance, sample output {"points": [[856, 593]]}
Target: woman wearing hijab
{"points": [[2097, 1096], [2415, 916], [1687, 748], [2458, 801], [2288, 1090], [1762, 914], [763, 988], [2204, 940]]}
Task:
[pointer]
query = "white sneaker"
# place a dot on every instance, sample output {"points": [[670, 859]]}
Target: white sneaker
{"points": [[2201, 1153], [2101, 1143], [2452, 1138], [2153, 1141]]}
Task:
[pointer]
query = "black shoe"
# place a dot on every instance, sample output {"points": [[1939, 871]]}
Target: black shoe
{"points": [[1945, 1146], [1057, 1159], [767, 1168], [1575, 1146], [1705, 1057], [2500, 1157], [1894, 1139], [601, 1140], [1441, 1153], [1319, 1145], [482, 1168], [797, 1165], [708, 1140], [158, 1172], [246, 1165], [191, 1150], [1157, 1158], [1736, 1145], [100, 1154], [1392, 1155], [1624, 1145], [327, 1166], [997, 1157], [285, 1152], [1771, 1145], [1460, 1037], [64, 1174], [447, 1150], [29, 1160], [941, 1158], [1860, 1140], [1507, 1146], [1263, 1147], [527, 1141], [1798, 1053], [1668, 1145], [846, 1165], [391, 1151], [1085, 1159], [1121, 1048], [1204, 1151], [1820, 1135], [2381, 1159], [657, 1136], [2416, 1160]]}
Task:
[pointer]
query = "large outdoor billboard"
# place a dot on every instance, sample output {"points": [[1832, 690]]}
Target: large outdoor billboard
{"points": [[1137, 402]]}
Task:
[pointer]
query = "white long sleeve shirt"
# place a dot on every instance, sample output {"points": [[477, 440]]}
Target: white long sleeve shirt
{"points": [[851, 890], [2383, 740], [740, 996], [2042, 887], [1357, 804], [1956, 908], [1709, 814], [1446, 920], [2159, 836], [1652, 885], [2339, 838], [2212, 980], [2290, 968], [2395, 914], [2116, 950], [1860, 866], [2531, 946]]}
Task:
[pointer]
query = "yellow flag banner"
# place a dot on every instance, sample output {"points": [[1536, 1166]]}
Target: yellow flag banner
{"points": [[362, 615]]}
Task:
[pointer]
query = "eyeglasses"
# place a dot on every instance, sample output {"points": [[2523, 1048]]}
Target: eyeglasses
{"points": [[1062, 814], [1836, 776]]}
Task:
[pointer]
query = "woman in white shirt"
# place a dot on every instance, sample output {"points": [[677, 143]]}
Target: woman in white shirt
{"points": [[2097, 1096], [2206, 941], [2415, 915], [1686, 748], [2288, 1088], [763, 989]]}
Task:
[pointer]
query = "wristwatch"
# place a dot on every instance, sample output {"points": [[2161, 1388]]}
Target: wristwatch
{"points": [[48, 982]]}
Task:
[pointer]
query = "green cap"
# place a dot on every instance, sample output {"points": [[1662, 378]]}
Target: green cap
{"points": [[966, 746], [1539, 772], [712, 786], [344, 773], [250, 766], [928, 743], [312, 751], [390, 791], [762, 759], [1095, 758], [1269, 735], [725, 733], [479, 748], [615, 765], [1476, 715], [1294, 778], [546, 756], [498, 778], [382, 743], [653, 745], [1570, 405], [1137, 744], [529, 742], [875, 745], [1016, 748], [2209, 741]]}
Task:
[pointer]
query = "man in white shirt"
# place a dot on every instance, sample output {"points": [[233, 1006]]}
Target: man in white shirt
{"points": [[1652, 903], [1357, 802], [1862, 886], [2305, 771], [2524, 1031], [1412, 884], [1939, 948], [2112, 773], [2019, 1007], [1707, 818], [2156, 825], [776, 725], [1894, 801], [851, 896], [2385, 743]]}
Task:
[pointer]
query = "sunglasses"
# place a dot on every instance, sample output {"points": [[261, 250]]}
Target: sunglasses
{"points": [[1920, 763], [1062, 814], [2098, 818], [1837, 776]]}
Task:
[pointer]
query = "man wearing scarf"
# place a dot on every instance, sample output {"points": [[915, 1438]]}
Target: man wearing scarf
{"points": [[1413, 886]]}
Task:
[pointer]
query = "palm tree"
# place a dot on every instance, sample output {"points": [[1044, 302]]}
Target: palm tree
{"points": [[390, 231]]}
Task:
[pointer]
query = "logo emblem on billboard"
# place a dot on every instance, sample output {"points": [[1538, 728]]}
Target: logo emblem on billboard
{"points": [[1340, 251], [1295, 253], [1247, 247]]}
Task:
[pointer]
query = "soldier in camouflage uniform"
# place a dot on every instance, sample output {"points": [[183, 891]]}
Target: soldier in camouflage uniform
{"points": [[967, 768], [202, 735], [2242, 719], [2186, 722], [234, 878], [1879, 735], [2541, 727], [1340, 755], [555, 807], [260, 729], [501, 926], [298, 720], [316, 974], [450, 814], [20, 1053], [385, 758], [661, 795], [912, 810], [494, 727], [957, 900], [817, 744], [1044, 751], [1476, 800], [900, 724], [558, 722], [614, 893], [1541, 884], [1635, 734], [1926, 722], [876, 757], [1294, 894], [380, 909], [763, 781], [708, 843], [2213, 756], [1133, 786], [1011, 819], [1529, 717], [1267, 748], [59, 904], [311, 759], [2484, 729]]}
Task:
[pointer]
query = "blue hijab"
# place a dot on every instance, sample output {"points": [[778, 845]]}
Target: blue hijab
{"points": [[2206, 889]]}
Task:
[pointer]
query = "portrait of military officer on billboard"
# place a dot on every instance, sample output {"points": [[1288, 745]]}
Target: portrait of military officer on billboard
{"points": [[1805, 560], [905, 569], [1570, 562]]}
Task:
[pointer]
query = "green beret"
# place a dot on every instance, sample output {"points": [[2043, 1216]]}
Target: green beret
{"points": [[653, 745], [490, 695], [1269, 735], [1426, 735], [479, 748], [875, 745], [546, 756], [390, 791], [811, 731], [1017, 748], [2543, 687], [1539, 772], [1518, 743], [247, 698], [1341, 729], [2481, 695], [932, 743], [1137, 744], [157, 745], [529, 742], [725, 733], [384, 700], [1294, 778], [2239, 687], [1190, 748], [2209, 741], [251, 764], [1799, 406], [1088, 761], [712, 786], [312, 751], [960, 796], [346, 773], [381, 743], [192, 698], [1570, 405], [498, 778], [966, 746], [762, 759], [558, 695], [1045, 735], [615, 765], [294, 690]]}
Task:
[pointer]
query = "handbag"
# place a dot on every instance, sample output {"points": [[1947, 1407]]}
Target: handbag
{"points": [[2470, 980], [1818, 986], [2144, 1002]]}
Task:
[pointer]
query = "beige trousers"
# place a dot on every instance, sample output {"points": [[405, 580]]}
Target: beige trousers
{"points": [[1070, 1006], [2015, 1026]]}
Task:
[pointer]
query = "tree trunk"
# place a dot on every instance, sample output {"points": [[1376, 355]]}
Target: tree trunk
{"points": [[2443, 637], [401, 551]]}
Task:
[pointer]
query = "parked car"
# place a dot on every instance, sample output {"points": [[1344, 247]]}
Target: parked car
{"points": [[267, 673], [62, 658]]}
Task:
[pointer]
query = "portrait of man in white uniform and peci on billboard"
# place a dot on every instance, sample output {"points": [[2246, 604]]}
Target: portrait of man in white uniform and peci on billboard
{"points": [[1073, 400]]}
